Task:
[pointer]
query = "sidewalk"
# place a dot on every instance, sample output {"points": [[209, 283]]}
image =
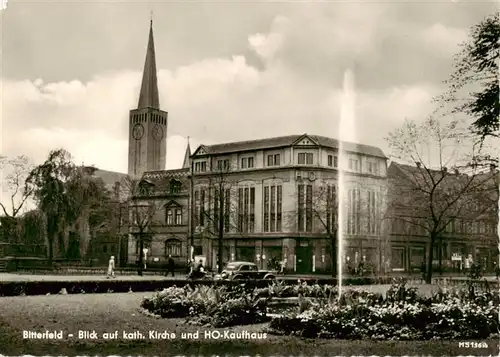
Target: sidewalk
{"points": [[93, 277]]}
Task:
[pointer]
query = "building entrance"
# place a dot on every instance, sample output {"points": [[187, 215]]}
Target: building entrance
{"points": [[304, 259]]}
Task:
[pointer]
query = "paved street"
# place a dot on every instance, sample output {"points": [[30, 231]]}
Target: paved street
{"points": [[93, 277]]}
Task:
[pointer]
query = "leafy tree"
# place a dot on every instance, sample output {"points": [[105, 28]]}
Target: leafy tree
{"points": [[34, 227], [86, 195], [436, 183], [48, 183], [473, 87]]}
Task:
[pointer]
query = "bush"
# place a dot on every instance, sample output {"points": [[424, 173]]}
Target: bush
{"points": [[402, 315], [218, 306]]}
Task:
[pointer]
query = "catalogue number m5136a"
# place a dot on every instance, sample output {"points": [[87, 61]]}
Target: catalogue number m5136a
{"points": [[472, 344]]}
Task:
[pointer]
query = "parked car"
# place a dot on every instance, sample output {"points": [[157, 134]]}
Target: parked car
{"points": [[245, 270]]}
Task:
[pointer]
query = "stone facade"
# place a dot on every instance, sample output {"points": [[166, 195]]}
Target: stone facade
{"points": [[469, 226], [169, 218], [281, 168]]}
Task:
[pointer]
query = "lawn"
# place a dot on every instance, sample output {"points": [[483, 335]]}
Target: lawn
{"points": [[119, 312]]}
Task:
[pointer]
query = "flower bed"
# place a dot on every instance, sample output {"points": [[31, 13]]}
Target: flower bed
{"points": [[218, 306], [402, 315], [315, 310]]}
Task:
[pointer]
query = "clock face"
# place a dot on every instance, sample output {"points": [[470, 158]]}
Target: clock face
{"points": [[138, 131], [157, 132]]}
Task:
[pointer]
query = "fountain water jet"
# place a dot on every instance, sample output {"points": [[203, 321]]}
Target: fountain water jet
{"points": [[346, 133]]}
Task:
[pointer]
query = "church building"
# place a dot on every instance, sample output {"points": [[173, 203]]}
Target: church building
{"points": [[274, 199]]}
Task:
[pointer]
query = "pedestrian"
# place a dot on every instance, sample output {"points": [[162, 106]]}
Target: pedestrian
{"points": [[170, 266], [467, 264], [283, 266], [111, 267]]}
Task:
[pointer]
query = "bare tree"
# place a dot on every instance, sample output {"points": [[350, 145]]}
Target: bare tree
{"points": [[215, 205], [440, 182], [17, 171], [142, 208], [325, 211]]}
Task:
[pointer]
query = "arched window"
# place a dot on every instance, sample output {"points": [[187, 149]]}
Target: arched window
{"points": [[173, 247]]}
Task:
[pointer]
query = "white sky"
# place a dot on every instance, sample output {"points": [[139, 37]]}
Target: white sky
{"points": [[227, 71]]}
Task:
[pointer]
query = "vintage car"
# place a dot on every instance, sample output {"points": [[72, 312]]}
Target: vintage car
{"points": [[245, 270]]}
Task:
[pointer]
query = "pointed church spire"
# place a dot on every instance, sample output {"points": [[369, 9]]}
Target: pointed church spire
{"points": [[187, 156], [149, 98]]}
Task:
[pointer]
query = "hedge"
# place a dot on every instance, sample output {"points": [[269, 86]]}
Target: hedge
{"points": [[15, 288]]}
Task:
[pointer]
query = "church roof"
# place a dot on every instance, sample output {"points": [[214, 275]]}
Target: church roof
{"points": [[161, 180], [289, 140], [149, 97], [187, 155]]}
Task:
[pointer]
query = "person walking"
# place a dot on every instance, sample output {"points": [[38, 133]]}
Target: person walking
{"points": [[283, 267], [170, 266], [111, 267]]}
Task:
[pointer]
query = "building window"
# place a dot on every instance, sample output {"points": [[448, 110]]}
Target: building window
{"points": [[246, 202], [305, 214], [251, 220], [227, 210], [330, 160], [198, 250], [173, 247], [354, 165], [398, 258], [178, 216], [240, 209], [373, 168], [309, 213], [223, 165], [200, 166], [300, 208], [199, 205], [170, 217], [305, 158], [331, 208], [353, 210], [272, 208], [146, 244], [335, 161], [272, 225], [246, 209], [273, 160], [247, 163], [279, 207], [175, 187], [372, 212], [266, 209]]}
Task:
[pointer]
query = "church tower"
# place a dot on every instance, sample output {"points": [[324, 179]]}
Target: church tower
{"points": [[147, 124]]}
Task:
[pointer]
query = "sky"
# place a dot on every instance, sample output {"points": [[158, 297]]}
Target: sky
{"points": [[228, 71]]}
